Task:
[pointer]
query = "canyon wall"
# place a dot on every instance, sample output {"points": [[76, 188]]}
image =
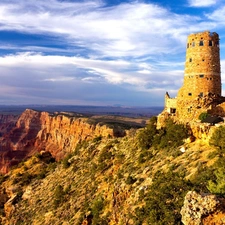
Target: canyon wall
{"points": [[41, 131], [7, 122]]}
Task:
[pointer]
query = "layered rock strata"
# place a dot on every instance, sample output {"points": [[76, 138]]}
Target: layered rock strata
{"points": [[41, 131]]}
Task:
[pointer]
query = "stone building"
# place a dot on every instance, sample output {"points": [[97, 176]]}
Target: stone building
{"points": [[201, 89]]}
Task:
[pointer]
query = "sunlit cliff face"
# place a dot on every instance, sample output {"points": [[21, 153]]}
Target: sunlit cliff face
{"points": [[39, 131]]}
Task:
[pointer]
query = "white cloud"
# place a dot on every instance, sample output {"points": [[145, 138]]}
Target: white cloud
{"points": [[126, 48], [111, 71], [121, 30], [218, 15], [202, 3], [41, 75]]}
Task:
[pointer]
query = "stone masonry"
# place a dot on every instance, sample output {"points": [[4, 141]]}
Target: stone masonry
{"points": [[202, 66], [201, 90]]}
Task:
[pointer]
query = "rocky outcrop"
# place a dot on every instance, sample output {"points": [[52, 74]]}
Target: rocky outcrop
{"points": [[7, 122], [57, 133], [202, 131], [203, 209]]}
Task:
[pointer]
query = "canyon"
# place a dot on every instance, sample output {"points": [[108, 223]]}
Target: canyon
{"points": [[69, 168], [57, 133]]}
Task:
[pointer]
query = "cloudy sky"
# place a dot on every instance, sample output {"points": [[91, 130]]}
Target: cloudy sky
{"points": [[99, 52]]}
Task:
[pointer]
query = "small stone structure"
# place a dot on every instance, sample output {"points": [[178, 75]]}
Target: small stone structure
{"points": [[201, 90]]}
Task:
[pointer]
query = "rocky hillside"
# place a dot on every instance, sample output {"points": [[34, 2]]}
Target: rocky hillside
{"points": [[58, 133], [104, 179]]}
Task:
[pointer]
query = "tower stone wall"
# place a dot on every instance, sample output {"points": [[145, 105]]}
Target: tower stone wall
{"points": [[202, 66], [201, 89]]}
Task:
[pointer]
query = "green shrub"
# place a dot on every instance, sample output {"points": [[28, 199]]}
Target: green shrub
{"points": [[96, 209], [164, 200], [218, 138], [97, 139], [58, 196], [104, 155], [203, 116], [146, 136], [218, 186], [173, 135], [130, 180], [42, 174], [170, 136], [202, 177], [25, 178], [144, 156], [65, 161]]}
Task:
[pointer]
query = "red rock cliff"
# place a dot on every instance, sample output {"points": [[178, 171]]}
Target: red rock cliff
{"points": [[36, 131]]}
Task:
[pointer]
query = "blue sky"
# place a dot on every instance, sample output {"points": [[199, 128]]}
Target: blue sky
{"points": [[99, 52]]}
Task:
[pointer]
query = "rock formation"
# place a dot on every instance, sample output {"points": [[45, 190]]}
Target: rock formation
{"points": [[41, 131], [7, 122], [205, 209]]}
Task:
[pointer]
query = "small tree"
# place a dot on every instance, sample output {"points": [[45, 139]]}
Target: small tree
{"points": [[146, 136], [218, 138]]}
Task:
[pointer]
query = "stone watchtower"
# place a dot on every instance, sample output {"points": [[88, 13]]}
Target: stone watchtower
{"points": [[202, 66], [201, 90]]}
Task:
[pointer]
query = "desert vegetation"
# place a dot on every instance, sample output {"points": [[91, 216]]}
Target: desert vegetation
{"points": [[136, 179]]}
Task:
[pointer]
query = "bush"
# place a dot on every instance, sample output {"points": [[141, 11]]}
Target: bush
{"points": [[218, 186], [173, 135], [146, 136], [97, 139], [65, 161], [170, 136], [130, 180], [104, 155], [58, 196], [203, 116], [216, 182], [218, 138], [164, 200], [96, 209]]}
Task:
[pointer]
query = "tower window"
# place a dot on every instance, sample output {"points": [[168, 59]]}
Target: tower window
{"points": [[201, 75], [189, 94], [190, 60], [210, 43], [189, 109], [201, 94], [172, 110], [201, 43], [217, 43], [193, 44], [187, 45]]}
